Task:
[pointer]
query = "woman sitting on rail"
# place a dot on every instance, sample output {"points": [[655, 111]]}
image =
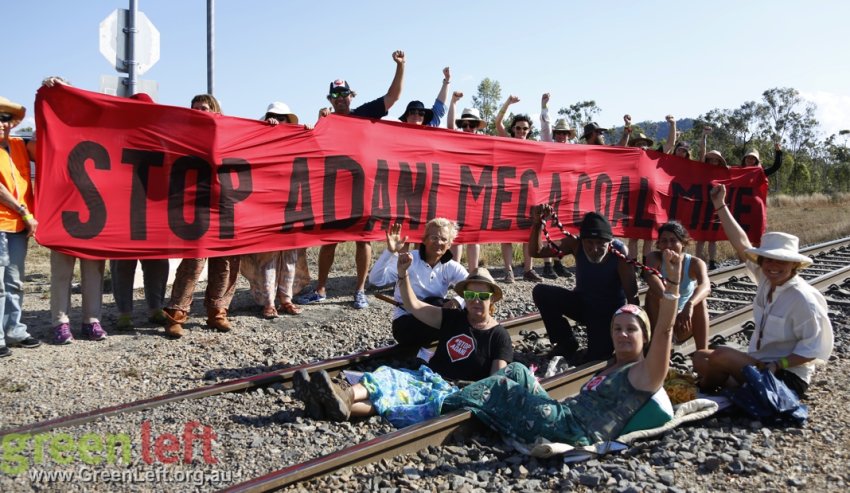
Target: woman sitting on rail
{"points": [[433, 272], [693, 285], [472, 345], [793, 330], [514, 404]]}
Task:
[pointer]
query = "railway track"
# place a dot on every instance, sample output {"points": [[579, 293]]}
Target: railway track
{"points": [[726, 281]]}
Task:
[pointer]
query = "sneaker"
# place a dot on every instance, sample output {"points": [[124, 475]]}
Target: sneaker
{"points": [[94, 332], [560, 269], [4, 352], [360, 301], [303, 392], [567, 349], [62, 334], [712, 265], [333, 399], [509, 278], [28, 343], [532, 276], [549, 272], [309, 298], [125, 322], [158, 318]]}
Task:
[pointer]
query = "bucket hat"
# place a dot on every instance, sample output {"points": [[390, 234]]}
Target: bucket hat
{"points": [[483, 276], [779, 246]]}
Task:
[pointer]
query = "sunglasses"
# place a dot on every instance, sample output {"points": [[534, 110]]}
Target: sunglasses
{"points": [[522, 129], [5, 117], [280, 118], [416, 112], [476, 295], [468, 125], [340, 94]]}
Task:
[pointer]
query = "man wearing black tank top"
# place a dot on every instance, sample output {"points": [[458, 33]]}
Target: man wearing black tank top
{"points": [[604, 283]]}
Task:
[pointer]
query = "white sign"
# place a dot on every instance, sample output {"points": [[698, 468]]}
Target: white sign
{"points": [[113, 41]]}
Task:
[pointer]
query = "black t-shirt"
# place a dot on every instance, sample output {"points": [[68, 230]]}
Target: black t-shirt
{"points": [[372, 109], [464, 353]]}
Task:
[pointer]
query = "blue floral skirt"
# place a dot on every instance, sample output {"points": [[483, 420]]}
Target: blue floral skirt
{"points": [[405, 397]]}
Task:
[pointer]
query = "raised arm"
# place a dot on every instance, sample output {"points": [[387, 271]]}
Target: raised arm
{"points": [[777, 160], [394, 91], [384, 270], [703, 144], [535, 248], [545, 124], [444, 90], [736, 235], [627, 131], [451, 116], [649, 373], [431, 316], [671, 135], [500, 124]]}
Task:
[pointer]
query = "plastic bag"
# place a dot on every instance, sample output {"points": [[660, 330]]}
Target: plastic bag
{"points": [[765, 397]]}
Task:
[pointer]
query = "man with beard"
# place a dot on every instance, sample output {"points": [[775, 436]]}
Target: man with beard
{"points": [[604, 282], [340, 96]]}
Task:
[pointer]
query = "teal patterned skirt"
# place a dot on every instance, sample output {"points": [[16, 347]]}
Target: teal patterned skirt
{"points": [[514, 404]]}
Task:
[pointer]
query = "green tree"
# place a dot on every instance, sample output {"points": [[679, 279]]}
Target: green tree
{"points": [[487, 101], [580, 113]]}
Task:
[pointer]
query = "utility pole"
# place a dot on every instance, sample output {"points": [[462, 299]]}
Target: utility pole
{"points": [[210, 45], [132, 64]]}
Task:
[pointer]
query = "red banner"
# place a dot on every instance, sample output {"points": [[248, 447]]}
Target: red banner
{"points": [[120, 178]]}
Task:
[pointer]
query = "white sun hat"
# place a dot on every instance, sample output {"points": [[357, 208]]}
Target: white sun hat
{"points": [[779, 246]]}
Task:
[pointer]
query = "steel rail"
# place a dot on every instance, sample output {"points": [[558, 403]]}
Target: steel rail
{"points": [[434, 432], [334, 365]]}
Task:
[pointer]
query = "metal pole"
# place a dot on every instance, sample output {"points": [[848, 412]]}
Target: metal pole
{"points": [[132, 64], [210, 45]]}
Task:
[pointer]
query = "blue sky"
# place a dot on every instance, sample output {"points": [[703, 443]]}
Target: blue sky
{"points": [[645, 58]]}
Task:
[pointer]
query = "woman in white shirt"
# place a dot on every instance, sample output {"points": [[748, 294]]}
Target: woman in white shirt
{"points": [[792, 330], [432, 273]]}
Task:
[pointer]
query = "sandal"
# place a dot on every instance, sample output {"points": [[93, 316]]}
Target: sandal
{"points": [[289, 308], [269, 312]]}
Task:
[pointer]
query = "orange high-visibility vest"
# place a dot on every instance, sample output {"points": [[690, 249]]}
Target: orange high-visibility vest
{"points": [[15, 176]]}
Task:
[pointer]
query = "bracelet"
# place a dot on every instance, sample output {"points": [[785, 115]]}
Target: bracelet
{"points": [[721, 207], [446, 81], [671, 296], [402, 277], [670, 281], [22, 208], [27, 217], [783, 362]]}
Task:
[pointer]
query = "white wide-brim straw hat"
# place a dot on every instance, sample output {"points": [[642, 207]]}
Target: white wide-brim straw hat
{"points": [[279, 108], [471, 115], [483, 276], [779, 246]]}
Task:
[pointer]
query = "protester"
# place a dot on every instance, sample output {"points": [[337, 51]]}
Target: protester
{"points": [[154, 278], [417, 114], [792, 327], [594, 134], [520, 129], [604, 282], [752, 158], [694, 286], [513, 403], [469, 122], [271, 275], [563, 134], [714, 158], [17, 225], [432, 273], [340, 96], [61, 275], [472, 345], [221, 275]]}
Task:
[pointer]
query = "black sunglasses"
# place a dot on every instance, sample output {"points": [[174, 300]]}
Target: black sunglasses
{"points": [[468, 125], [416, 112], [280, 118], [5, 117]]}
